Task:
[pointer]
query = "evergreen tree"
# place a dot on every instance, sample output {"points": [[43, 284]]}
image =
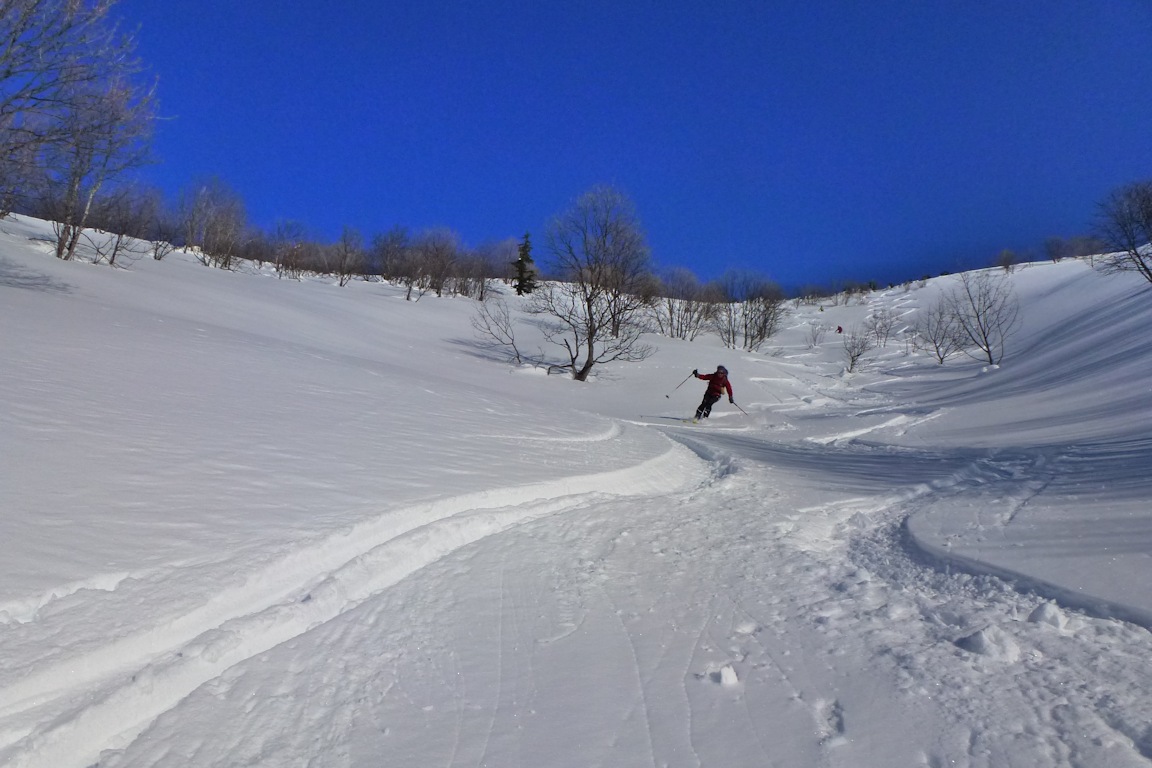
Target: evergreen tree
{"points": [[525, 281]]}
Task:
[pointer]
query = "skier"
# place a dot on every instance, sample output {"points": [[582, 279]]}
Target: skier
{"points": [[717, 384]]}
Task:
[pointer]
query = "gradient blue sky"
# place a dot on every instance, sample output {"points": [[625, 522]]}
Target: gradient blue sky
{"points": [[811, 141]]}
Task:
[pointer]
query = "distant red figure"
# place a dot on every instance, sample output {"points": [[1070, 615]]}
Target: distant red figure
{"points": [[839, 329]]}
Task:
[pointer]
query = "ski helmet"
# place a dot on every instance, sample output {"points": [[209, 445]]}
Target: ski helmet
{"points": [[721, 369]]}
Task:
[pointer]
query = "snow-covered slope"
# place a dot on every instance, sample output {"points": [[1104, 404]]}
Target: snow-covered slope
{"points": [[251, 521]]}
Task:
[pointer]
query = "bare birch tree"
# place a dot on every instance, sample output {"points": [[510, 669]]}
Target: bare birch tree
{"points": [[494, 328], [290, 249], [683, 307], [934, 328], [122, 222], [578, 320], [1126, 226], [764, 312], [880, 324], [160, 227], [752, 310], [816, 334], [103, 133], [1058, 248], [213, 221], [52, 52], [987, 313], [600, 254], [388, 252], [437, 252], [347, 256], [857, 343]]}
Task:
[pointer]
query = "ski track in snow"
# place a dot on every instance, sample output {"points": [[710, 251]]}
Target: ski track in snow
{"points": [[697, 667], [915, 610], [102, 699], [24, 611], [985, 617]]}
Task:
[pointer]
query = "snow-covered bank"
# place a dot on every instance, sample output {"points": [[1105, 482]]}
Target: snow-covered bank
{"points": [[1070, 524], [250, 521]]}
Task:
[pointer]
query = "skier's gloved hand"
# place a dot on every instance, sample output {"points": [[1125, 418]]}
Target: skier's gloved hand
{"points": [[695, 372], [732, 401]]}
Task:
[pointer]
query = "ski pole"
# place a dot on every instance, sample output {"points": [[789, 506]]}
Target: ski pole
{"points": [[741, 409], [679, 385]]}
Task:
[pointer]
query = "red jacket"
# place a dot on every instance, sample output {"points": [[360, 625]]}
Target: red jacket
{"points": [[716, 384]]}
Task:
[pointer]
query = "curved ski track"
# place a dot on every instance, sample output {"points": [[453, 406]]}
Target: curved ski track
{"points": [[65, 714]]}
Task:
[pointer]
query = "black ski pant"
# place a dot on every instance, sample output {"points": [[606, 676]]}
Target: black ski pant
{"points": [[706, 404]]}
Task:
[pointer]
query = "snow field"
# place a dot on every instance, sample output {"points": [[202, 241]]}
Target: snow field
{"points": [[303, 590], [246, 521]]}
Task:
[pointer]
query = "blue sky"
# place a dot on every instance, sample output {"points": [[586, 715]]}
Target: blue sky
{"points": [[813, 142]]}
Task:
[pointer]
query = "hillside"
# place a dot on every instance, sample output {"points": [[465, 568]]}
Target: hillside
{"points": [[252, 521]]}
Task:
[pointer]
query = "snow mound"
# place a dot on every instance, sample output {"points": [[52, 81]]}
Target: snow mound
{"points": [[1048, 613], [992, 642]]}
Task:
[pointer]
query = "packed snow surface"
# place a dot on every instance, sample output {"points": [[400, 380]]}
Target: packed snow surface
{"points": [[252, 521]]}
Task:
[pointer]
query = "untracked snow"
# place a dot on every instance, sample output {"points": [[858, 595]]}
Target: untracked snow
{"points": [[247, 521]]}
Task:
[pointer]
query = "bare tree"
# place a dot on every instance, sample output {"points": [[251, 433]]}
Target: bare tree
{"points": [[598, 242], [161, 227], [726, 323], [121, 221], [213, 220], [1057, 248], [436, 252], [987, 313], [412, 275], [752, 310], [52, 53], [387, 251], [764, 312], [812, 294], [935, 329], [683, 307], [399, 260], [880, 324], [579, 323], [600, 253], [21, 182], [137, 212], [736, 287], [493, 325], [103, 133], [290, 249], [816, 334], [257, 247], [347, 256], [856, 345], [487, 263], [1125, 224]]}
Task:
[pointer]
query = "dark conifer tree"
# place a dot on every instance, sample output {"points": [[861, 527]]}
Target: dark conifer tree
{"points": [[525, 281]]}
